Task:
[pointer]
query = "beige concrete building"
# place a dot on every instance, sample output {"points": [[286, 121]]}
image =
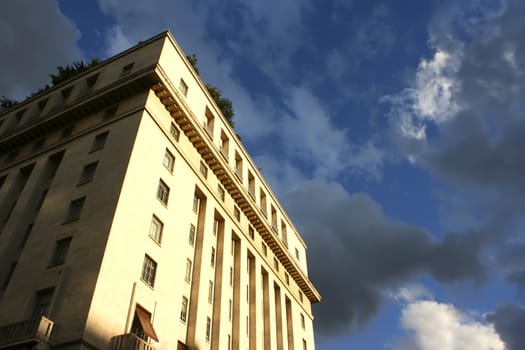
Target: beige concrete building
{"points": [[131, 217]]}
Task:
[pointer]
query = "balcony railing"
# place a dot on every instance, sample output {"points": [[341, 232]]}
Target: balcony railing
{"points": [[26, 331], [130, 341]]}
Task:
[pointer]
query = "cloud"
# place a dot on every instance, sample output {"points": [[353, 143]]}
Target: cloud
{"points": [[351, 237], [411, 292], [508, 319], [35, 38], [437, 326]]}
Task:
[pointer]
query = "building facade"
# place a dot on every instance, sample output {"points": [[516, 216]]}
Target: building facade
{"points": [[131, 217]]}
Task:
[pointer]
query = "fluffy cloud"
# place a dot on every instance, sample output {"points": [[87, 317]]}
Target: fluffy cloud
{"points": [[35, 38], [436, 326], [350, 236]]}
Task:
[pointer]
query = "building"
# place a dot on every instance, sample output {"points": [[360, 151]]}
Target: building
{"points": [[131, 217]]}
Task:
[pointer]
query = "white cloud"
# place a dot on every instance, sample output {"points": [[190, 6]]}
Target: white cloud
{"points": [[116, 41], [411, 292], [437, 326]]}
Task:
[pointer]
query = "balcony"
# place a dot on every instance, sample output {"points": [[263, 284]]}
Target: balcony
{"points": [[130, 341], [29, 331]]}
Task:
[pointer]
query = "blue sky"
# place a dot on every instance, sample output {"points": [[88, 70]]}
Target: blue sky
{"points": [[391, 132]]}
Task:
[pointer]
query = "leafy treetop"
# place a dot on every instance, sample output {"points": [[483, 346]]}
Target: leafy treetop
{"points": [[224, 104]]}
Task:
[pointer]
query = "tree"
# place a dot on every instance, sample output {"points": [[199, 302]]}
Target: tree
{"points": [[224, 104], [7, 103], [69, 71]]}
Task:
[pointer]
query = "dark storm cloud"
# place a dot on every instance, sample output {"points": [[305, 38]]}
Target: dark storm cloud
{"points": [[35, 38], [509, 320], [357, 254]]}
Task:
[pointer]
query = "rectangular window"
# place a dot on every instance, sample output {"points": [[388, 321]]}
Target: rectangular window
{"points": [[264, 249], [183, 87], [212, 257], [42, 302], [41, 199], [187, 275], [251, 232], [100, 141], [209, 120], [196, 203], [302, 321], [262, 203], [75, 208], [284, 233], [238, 166], [304, 345], [221, 192], [287, 278], [203, 169], [149, 269], [237, 213], [184, 309], [216, 223], [169, 160], [210, 292], [208, 328], [230, 310], [276, 264], [224, 145], [25, 237], [155, 229], [251, 184], [61, 249], [297, 253], [163, 192], [191, 238], [88, 173], [301, 296], [231, 276], [174, 131]]}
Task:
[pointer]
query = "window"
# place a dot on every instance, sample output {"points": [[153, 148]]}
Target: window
{"points": [[251, 232], [302, 321], [191, 238], [7, 278], [237, 213], [276, 264], [66, 92], [216, 223], [301, 296], [149, 269], [208, 328], [262, 203], [42, 302], [100, 141], [142, 326], [231, 276], [163, 192], [75, 207], [25, 237], [127, 69], [229, 342], [208, 122], [61, 249], [88, 173], [184, 309], [183, 87], [210, 292], [212, 257], [42, 104], [196, 203], [233, 247], [203, 169], [251, 184], [284, 233], [264, 249], [90, 82], [174, 131], [287, 278], [274, 218], [230, 310], [297, 253], [41, 199], [187, 275], [224, 145], [304, 345], [238, 166], [155, 229], [221, 192], [169, 160]]}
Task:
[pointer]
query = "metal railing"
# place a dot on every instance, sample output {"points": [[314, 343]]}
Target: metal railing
{"points": [[29, 330], [130, 341]]}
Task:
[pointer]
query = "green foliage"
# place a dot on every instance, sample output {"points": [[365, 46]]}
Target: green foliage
{"points": [[69, 71], [6, 103], [224, 104]]}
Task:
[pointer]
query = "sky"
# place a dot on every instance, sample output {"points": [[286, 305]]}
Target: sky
{"points": [[391, 131]]}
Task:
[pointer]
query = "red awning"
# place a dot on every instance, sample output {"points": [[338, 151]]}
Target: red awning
{"points": [[144, 318]]}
